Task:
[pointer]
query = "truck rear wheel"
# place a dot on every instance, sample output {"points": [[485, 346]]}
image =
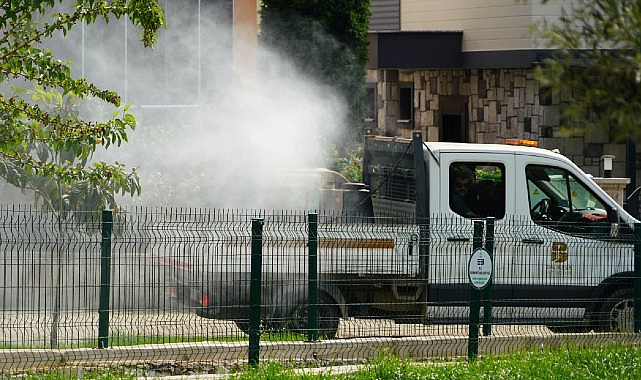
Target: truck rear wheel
{"points": [[329, 315], [617, 312]]}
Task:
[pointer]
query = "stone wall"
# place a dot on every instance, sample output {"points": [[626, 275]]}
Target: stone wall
{"points": [[499, 104]]}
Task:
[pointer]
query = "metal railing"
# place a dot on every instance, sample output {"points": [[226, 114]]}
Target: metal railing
{"points": [[177, 285]]}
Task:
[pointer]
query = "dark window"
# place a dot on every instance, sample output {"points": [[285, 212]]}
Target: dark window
{"points": [[477, 189], [527, 124], [405, 101], [545, 96], [452, 128], [370, 103], [453, 118]]}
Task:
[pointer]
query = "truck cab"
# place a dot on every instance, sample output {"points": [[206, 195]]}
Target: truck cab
{"points": [[563, 249]]}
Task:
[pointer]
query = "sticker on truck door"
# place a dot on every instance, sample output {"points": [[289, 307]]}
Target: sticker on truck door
{"points": [[559, 252], [559, 266]]}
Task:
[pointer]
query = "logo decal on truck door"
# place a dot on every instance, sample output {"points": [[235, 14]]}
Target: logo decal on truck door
{"points": [[559, 266], [559, 252]]}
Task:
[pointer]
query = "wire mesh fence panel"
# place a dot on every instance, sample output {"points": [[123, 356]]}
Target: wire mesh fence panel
{"points": [[180, 285], [171, 268], [49, 279]]}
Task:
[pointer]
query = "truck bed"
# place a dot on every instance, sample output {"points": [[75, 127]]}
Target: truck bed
{"points": [[389, 172]]}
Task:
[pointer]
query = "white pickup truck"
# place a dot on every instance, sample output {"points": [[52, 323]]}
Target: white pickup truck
{"points": [[563, 251]]}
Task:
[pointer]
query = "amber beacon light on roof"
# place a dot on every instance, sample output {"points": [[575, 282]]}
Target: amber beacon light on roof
{"points": [[521, 142]]}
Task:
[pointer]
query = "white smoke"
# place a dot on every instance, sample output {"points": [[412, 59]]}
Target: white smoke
{"points": [[213, 132]]}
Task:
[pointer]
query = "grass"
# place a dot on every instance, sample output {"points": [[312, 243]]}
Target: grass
{"points": [[77, 374], [566, 364], [117, 340], [613, 362]]}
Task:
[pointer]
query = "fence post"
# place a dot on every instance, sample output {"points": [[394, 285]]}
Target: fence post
{"points": [[312, 320], [487, 293], [637, 277], [254, 291], [105, 279], [475, 299]]}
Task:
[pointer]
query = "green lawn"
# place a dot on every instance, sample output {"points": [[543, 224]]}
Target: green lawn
{"points": [[616, 362], [567, 364]]}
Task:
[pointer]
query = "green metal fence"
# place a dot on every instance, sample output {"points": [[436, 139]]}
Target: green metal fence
{"points": [[171, 284]]}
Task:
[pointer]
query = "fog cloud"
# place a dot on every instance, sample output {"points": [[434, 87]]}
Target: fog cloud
{"points": [[212, 132]]}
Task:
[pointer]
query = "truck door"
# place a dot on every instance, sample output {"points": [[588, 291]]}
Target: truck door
{"points": [[470, 189], [564, 243]]}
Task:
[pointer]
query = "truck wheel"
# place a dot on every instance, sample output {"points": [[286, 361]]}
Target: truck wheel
{"points": [[617, 312], [329, 315]]}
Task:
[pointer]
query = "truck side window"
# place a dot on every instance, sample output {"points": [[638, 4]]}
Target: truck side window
{"points": [[477, 189], [559, 201]]}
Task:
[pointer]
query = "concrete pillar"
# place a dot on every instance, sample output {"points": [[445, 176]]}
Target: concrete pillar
{"points": [[245, 32], [615, 187]]}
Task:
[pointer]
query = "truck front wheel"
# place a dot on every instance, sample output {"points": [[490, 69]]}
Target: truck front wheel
{"points": [[617, 312]]}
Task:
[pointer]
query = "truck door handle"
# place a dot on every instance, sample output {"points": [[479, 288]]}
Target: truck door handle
{"points": [[532, 241], [458, 239]]}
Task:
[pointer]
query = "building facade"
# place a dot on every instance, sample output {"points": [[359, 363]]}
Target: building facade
{"points": [[463, 71], [456, 70]]}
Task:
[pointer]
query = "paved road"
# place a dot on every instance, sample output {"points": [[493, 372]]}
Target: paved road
{"points": [[35, 331], [357, 340]]}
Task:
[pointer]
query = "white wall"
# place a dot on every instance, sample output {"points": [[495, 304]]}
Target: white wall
{"points": [[486, 24]]}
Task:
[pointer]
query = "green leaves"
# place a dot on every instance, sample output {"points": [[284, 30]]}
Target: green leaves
{"points": [[325, 39], [351, 166], [596, 66], [44, 144]]}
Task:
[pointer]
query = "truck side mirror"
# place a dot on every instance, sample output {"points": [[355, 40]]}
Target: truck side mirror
{"points": [[613, 218]]}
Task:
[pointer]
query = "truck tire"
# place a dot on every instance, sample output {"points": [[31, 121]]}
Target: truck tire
{"points": [[617, 312], [329, 314]]}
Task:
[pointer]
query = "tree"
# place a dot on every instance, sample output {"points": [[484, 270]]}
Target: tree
{"points": [[43, 144], [596, 66], [326, 39]]}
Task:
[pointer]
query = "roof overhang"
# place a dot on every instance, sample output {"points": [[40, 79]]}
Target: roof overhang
{"points": [[439, 49], [401, 50]]}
